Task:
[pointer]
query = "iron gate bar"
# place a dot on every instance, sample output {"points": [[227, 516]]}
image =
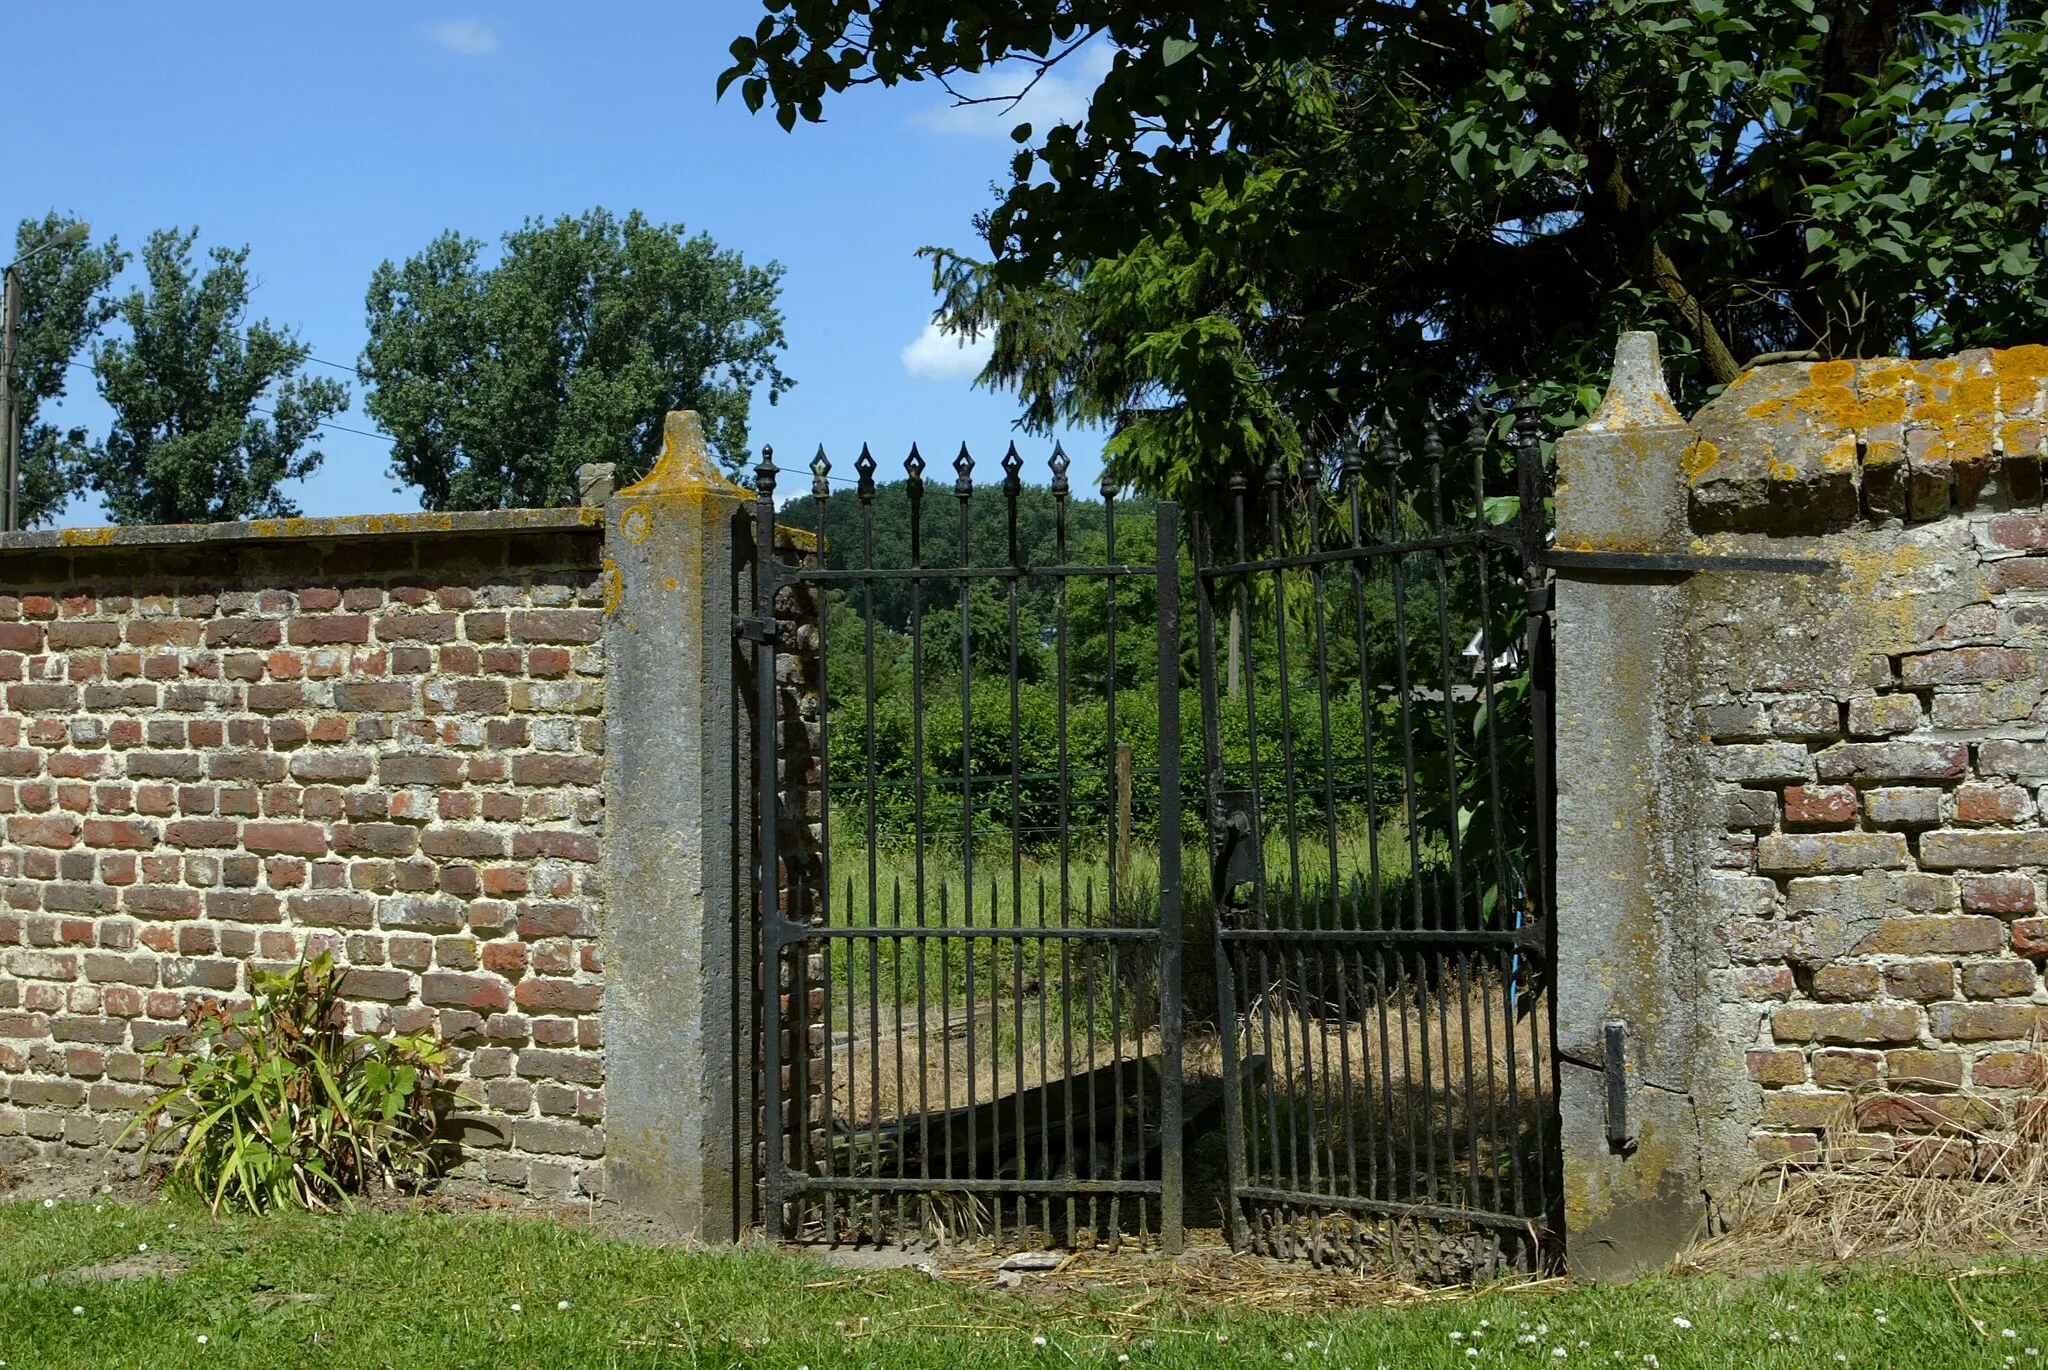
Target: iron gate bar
{"points": [[1007, 573], [1335, 555], [1463, 937]]}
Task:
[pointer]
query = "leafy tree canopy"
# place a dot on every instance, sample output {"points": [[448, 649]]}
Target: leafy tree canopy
{"points": [[211, 416], [1277, 219], [64, 301], [497, 381]]}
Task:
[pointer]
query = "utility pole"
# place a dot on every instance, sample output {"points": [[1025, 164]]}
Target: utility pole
{"points": [[10, 376], [10, 413]]}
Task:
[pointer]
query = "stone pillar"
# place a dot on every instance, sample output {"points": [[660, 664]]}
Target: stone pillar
{"points": [[677, 1021], [1628, 937]]}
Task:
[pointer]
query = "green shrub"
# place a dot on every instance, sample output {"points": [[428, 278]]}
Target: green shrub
{"points": [[275, 1105]]}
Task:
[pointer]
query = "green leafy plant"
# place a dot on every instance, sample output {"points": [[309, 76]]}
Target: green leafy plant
{"points": [[273, 1105]]}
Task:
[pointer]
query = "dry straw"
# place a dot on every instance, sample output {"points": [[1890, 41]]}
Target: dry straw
{"points": [[1954, 1191]]}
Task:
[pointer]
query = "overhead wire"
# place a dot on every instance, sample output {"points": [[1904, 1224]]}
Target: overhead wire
{"points": [[272, 413]]}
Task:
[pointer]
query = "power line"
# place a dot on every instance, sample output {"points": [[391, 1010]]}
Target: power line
{"points": [[272, 413]]}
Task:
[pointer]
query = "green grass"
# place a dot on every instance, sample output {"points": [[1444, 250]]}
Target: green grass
{"points": [[439, 1291]]}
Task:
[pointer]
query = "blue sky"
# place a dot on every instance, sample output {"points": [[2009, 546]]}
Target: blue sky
{"points": [[330, 138]]}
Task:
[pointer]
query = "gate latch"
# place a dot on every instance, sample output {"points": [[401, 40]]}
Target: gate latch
{"points": [[1239, 851], [1616, 1063], [756, 629]]}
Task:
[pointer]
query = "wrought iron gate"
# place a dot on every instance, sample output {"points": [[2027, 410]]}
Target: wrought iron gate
{"points": [[1375, 721], [972, 930], [978, 1024]]}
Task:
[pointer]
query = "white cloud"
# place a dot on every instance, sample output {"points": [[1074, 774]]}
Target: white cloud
{"points": [[937, 355], [470, 37], [1060, 97]]}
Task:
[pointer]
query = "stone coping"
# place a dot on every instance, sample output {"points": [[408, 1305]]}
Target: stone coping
{"points": [[481, 521]]}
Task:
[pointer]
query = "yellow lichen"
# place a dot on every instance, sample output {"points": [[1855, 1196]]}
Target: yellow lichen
{"points": [[685, 467], [1699, 459]]}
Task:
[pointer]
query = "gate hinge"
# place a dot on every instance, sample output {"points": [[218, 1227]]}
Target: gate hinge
{"points": [[1660, 564], [756, 629]]}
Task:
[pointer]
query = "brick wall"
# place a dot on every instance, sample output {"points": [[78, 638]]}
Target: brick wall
{"points": [[1877, 740], [250, 743]]}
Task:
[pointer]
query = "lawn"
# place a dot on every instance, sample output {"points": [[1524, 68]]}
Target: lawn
{"points": [[434, 1290]]}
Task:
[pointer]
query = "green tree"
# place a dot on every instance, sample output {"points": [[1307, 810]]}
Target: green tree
{"points": [[497, 381], [211, 416], [1278, 218], [64, 301]]}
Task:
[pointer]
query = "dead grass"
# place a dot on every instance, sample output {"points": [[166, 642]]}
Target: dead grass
{"points": [[1958, 1193]]}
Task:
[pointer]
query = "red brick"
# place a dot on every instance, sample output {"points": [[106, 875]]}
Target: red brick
{"points": [[555, 920], [1968, 665], [1997, 893], [127, 833], [1986, 1022], [1844, 1023], [1840, 1068], [559, 996], [1921, 981], [302, 839], [1823, 853], [1845, 983], [2030, 937], [2004, 979], [1950, 849], [2022, 532], [1813, 805], [329, 630], [60, 833], [480, 992], [388, 986], [1914, 1068], [2006, 1070], [1929, 1113], [569, 626], [1883, 761], [1966, 935], [581, 846], [1777, 1067]]}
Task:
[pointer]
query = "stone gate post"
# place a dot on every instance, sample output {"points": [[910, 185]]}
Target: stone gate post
{"points": [[678, 1092], [1625, 933]]}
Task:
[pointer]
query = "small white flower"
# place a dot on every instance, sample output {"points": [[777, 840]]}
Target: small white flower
{"points": [[202, 1339], [2007, 1333], [1557, 1353], [562, 1306], [1842, 1357], [515, 1308], [1777, 1336], [1585, 1346], [1038, 1341], [1287, 1356], [1222, 1338], [174, 1227], [142, 1246], [2033, 1350], [1682, 1324], [52, 1203], [1484, 1323], [76, 1311], [1542, 1329], [1457, 1336], [1471, 1350]]}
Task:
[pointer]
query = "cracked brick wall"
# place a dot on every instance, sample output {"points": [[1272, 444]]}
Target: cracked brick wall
{"points": [[224, 753], [1876, 739]]}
